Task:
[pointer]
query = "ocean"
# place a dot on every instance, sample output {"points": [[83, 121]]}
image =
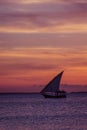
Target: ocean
{"points": [[34, 112]]}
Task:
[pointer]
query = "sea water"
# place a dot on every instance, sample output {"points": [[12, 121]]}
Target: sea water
{"points": [[34, 112]]}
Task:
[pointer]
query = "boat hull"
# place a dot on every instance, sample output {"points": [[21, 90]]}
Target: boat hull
{"points": [[52, 96]]}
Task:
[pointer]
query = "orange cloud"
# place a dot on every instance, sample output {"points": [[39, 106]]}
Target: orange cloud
{"points": [[37, 65], [68, 28]]}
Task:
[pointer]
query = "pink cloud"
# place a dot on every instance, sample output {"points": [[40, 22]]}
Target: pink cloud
{"points": [[42, 14]]}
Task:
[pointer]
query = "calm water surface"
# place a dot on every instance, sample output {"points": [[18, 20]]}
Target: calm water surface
{"points": [[34, 112]]}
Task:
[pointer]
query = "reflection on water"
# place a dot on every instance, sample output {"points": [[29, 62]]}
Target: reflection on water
{"points": [[34, 112]]}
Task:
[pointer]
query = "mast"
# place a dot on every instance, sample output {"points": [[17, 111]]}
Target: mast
{"points": [[53, 85]]}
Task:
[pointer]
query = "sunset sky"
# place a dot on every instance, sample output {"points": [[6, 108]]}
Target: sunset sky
{"points": [[39, 39]]}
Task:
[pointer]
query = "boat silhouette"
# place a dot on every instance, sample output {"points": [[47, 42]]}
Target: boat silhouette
{"points": [[51, 90]]}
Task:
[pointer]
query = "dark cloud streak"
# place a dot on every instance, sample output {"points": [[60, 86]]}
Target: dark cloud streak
{"points": [[24, 66]]}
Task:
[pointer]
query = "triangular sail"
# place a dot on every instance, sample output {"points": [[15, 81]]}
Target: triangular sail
{"points": [[53, 85]]}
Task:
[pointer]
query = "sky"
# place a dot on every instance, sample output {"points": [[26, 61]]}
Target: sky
{"points": [[39, 39]]}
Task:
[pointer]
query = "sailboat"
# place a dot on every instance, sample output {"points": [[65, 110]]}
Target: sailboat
{"points": [[51, 90]]}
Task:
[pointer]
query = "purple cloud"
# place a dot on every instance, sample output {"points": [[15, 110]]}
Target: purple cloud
{"points": [[40, 15]]}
